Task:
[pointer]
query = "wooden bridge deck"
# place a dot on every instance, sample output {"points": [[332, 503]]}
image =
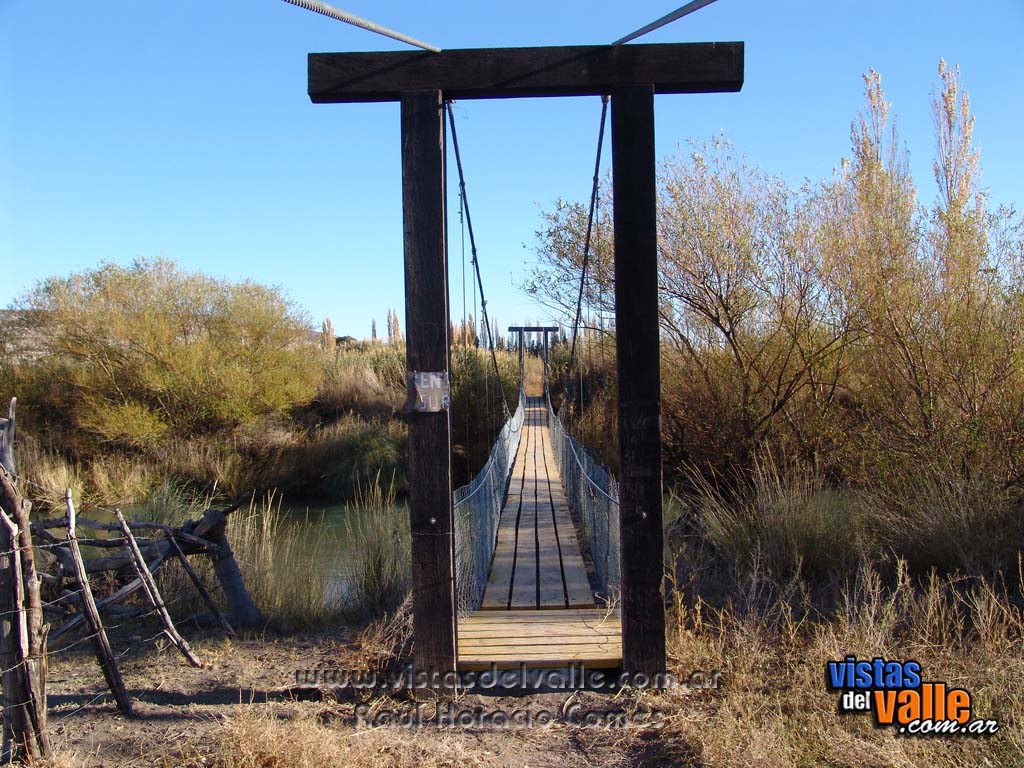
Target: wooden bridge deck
{"points": [[538, 607], [537, 562]]}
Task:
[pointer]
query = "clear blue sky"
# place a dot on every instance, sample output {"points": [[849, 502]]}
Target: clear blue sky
{"points": [[182, 128]]}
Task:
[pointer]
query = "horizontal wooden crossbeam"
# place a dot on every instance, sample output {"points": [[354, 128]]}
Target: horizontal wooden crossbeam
{"points": [[495, 73]]}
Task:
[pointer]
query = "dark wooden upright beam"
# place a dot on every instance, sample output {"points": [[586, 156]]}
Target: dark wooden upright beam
{"points": [[487, 73], [637, 342], [427, 350]]}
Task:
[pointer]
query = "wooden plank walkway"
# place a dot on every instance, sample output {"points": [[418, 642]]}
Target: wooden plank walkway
{"points": [[540, 639], [538, 608], [537, 562]]}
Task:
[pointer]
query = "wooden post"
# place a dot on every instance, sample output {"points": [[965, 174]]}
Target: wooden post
{"points": [[35, 664], [104, 654], [522, 362], [7, 440], [545, 382], [153, 592], [200, 587], [212, 528], [13, 647], [637, 342], [427, 350], [22, 633]]}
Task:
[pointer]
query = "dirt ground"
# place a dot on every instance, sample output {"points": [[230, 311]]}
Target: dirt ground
{"points": [[247, 689]]}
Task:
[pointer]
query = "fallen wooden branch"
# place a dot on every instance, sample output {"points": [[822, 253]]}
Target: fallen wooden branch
{"points": [[91, 614], [203, 536], [201, 588], [128, 589], [153, 594]]}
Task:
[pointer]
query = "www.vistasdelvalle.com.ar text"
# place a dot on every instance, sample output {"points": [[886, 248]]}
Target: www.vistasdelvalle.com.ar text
{"points": [[518, 679]]}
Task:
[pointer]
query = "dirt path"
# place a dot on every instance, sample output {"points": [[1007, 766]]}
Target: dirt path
{"points": [[243, 709]]}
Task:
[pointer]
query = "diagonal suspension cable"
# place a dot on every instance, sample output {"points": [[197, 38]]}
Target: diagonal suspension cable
{"points": [[668, 18], [590, 227], [358, 21], [473, 257]]}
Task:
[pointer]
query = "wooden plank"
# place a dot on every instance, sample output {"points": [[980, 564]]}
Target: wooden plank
{"points": [[540, 638], [523, 621], [565, 616], [549, 632], [525, 580], [427, 349], [549, 558], [483, 73], [548, 639], [549, 554], [597, 662], [637, 344], [538, 615], [573, 571]]}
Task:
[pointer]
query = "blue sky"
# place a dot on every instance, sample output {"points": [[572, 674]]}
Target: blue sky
{"points": [[181, 128]]}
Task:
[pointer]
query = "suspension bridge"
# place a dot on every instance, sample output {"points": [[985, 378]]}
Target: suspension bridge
{"points": [[542, 560]]}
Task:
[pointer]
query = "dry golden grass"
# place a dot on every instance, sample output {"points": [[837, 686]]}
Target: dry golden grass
{"points": [[774, 708], [258, 738]]}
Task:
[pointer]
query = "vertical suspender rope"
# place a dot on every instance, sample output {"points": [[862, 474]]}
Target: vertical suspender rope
{"points": [[586, 242], [475, 261]]}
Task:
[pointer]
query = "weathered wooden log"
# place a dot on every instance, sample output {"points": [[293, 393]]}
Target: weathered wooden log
{"points": [[60, 522], [91, 614], [153, 593], [190, 543], [225, 566], [22, 633], [36, 664], [7, 439], [195, 536], [201, 588], [123, 593]]}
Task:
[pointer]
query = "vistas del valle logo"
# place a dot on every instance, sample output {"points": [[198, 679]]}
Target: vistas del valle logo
{"points": [[897, 697]]}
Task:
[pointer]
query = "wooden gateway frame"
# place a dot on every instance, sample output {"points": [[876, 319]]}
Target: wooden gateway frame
{"points": [[421, 82]]}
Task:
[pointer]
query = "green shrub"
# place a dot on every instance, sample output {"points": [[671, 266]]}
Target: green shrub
{"points": [[131, 355]]}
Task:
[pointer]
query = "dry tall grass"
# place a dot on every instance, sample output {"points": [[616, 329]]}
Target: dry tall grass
{"points": [[282, 567], [378, 572], [774, 708], [257, 738]]}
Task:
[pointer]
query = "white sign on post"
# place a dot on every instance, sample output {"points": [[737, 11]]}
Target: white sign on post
{"points": [[429, 391]]}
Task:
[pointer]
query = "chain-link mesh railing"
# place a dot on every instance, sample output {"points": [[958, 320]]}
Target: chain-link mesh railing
{"points": [[593, 495], [477, 511]]}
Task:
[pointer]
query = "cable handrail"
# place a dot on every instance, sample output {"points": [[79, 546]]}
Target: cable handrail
{"points": [[576, 456], [480, 480], [476, 513]]}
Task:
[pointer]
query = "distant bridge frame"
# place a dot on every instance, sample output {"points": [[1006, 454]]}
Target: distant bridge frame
{"points": [[632, 75], [522, 330]]}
